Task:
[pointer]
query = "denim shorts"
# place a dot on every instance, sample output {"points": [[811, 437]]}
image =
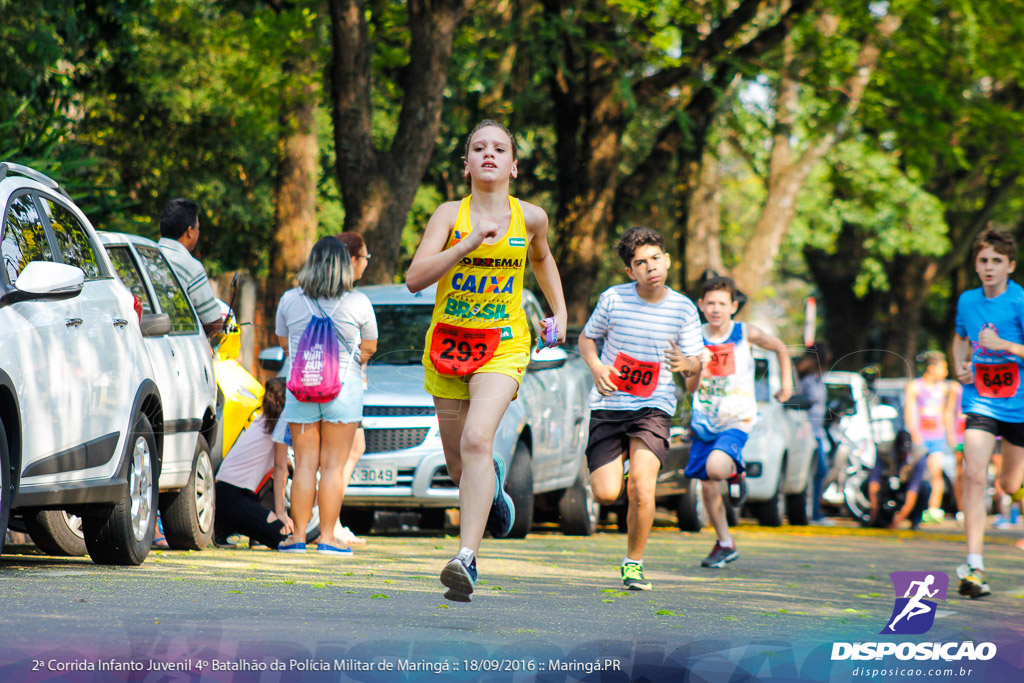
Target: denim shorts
{"points": [[347, 406]]}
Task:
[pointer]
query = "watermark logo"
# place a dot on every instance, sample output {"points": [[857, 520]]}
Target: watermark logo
{"points": [[914, 610]]}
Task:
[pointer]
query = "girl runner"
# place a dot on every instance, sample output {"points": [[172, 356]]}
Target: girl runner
{"points": [[478, 343]]}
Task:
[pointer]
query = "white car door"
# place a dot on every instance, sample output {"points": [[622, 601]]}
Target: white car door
{"points": [[101, 339], [185, 346], [41, 335]]}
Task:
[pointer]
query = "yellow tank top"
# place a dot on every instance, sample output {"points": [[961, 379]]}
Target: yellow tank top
{"points": [[484, 290]]}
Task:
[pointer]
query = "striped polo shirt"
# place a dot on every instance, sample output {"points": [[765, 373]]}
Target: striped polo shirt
{"points": [[193, 278], [642, 330]]}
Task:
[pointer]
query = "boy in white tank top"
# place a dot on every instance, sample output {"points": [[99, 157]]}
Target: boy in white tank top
{"points": [[725, 407]]}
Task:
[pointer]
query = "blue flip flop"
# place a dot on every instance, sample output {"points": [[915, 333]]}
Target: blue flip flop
{"points": [[292, 548], [328, 549]]}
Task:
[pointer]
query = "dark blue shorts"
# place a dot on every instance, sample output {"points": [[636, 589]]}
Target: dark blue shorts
{"points": [[731, 441]]}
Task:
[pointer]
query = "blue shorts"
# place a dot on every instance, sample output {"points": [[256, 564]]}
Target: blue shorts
{"points": [[731, 442], [281, 433], [347, 406], [937, 446]]}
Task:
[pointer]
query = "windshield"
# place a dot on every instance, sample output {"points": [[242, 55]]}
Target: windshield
{"points": [[401, 331]]}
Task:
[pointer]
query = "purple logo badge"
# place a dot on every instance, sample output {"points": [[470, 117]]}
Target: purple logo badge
{"points": [[914, 611]]}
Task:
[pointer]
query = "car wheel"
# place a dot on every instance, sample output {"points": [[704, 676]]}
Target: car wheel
{"points": [[188, 514], [56, 532], [433, 518], [360, 520], [124, 535], [577, 508], [799, 505], [519, 486], [6, 485], [770, 512], [690, 512]]}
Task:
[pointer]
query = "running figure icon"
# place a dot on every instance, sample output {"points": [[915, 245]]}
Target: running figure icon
{"points": [[915, 607], [917, 594]]}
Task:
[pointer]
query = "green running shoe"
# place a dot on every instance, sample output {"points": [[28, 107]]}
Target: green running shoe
{"points": [[633, 577]]}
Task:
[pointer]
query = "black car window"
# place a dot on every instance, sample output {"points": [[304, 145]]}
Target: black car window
{"points": [[24, 239], [129, 273], [75, 246], [172, 298], [401, 330]]}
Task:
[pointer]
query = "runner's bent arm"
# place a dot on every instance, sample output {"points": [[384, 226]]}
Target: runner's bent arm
{"points": [[432, 260], [962, 359], [601, 372], [769, 342], [544, 267], [991, 340]]}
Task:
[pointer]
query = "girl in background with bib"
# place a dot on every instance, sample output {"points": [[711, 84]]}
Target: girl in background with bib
{"points": [[478, 343], [322, 433]]}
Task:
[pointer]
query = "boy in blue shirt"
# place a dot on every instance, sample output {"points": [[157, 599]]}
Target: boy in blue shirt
{"points": [[989, 325]]}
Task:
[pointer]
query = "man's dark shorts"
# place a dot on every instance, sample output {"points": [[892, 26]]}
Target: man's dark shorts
{"points": [[611, 430], [1010, 431]]}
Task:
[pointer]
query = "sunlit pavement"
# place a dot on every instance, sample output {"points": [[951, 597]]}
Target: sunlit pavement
{"points": [[789, 582]]}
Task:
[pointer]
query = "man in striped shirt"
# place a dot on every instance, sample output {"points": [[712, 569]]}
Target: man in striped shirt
{"points": [[633, 399], [179, 235]]}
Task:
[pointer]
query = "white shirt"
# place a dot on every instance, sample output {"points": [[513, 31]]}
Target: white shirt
{"points": [[250, 459], [642, 330]]}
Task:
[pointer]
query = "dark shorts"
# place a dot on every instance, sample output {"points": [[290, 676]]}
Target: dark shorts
{"points": [[730, 442], [1012, 432], [611, 430]]}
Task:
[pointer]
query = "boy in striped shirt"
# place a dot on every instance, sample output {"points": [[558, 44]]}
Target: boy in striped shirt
{"points": [[633, 398]]}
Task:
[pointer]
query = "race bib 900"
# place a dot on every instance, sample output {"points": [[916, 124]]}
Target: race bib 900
{"points": [[996, 380], [635, 377]]}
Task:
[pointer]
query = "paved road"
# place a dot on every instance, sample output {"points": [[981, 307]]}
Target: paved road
{"points": [[542, 597]]}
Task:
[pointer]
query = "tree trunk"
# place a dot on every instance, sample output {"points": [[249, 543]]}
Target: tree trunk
{"points": [[788, 175], [297, 172], [378, 186], [703, 245]]}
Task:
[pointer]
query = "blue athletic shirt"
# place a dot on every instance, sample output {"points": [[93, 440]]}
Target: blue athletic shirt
{"points": [[996, 391], [629, 325]]}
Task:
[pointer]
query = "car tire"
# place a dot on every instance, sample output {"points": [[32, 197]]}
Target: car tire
{"points": [[799, 505], [519, 486], [124, 535], [188, 514], [770, 512], [360, 520], [578, 509], [56, 533], [6, 485], [432, 519], [691, 516]]}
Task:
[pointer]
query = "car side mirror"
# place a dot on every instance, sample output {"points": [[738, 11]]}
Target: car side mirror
{"points": [[45, 281], [272, 359], [547, 359], [155, 324]]}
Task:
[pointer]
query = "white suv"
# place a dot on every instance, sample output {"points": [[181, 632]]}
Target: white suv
{"points": [[183, 363], [81, 418]]}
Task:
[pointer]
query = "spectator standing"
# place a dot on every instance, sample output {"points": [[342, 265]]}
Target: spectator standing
{"points": [[322, 433], [179, 235], [809, 368]]}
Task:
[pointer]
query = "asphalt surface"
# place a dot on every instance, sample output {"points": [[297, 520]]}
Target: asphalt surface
{"points": [[545, 595]]}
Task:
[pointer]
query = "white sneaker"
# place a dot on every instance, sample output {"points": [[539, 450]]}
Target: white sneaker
{"points": [[348, 538]]}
